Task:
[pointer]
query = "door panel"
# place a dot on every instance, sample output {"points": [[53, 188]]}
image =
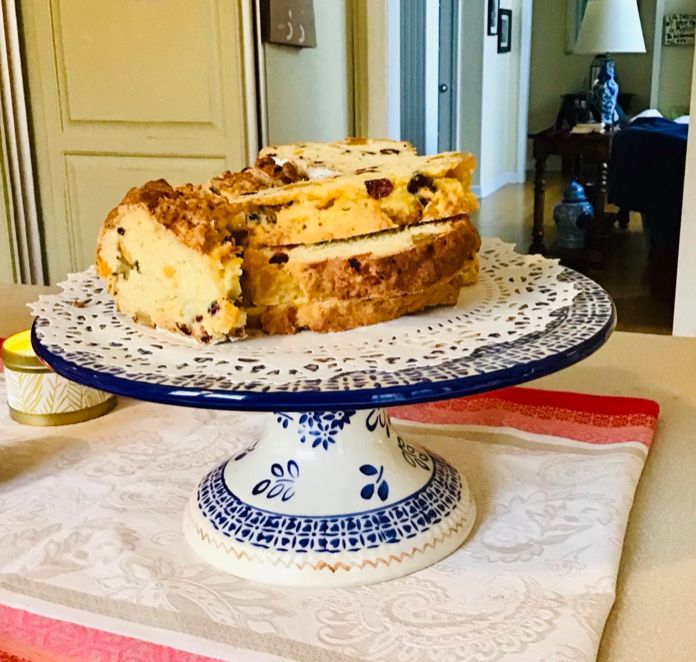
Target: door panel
{"points": [[7, 268], [123, 92], [112, 176], [107, 86]]}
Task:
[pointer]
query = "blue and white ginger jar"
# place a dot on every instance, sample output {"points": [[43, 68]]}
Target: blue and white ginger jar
{"points": [[573, 216]]}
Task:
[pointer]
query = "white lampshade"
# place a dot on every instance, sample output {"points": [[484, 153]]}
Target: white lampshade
{"points": [[611, 26]]}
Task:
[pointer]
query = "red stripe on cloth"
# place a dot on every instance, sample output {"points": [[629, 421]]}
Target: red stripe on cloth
{"points": [[595, 404], [61, 641], [592, 419]]}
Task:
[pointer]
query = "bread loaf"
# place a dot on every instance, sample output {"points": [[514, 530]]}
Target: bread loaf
{"points": [[169, 260], [319, 236]]}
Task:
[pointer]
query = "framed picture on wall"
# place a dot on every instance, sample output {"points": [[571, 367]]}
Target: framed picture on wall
{"points": [[493, 8], [504, 30]]}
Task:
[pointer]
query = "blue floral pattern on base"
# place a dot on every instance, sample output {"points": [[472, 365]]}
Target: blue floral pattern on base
{"points": [[246, 451], [283, 419], [414, 456], [380, 483], [351, 532], [378, 417], [281, 484], [320, 428]]}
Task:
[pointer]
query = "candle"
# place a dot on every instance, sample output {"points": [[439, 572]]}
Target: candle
{"points": [[38, 396]]}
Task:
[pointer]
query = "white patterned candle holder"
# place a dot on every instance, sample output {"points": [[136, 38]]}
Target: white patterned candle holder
{"points": [[38, 396], [329, 499], [330, 495]]}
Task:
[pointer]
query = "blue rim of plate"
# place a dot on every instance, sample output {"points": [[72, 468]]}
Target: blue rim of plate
{"points": [[420, 390]]}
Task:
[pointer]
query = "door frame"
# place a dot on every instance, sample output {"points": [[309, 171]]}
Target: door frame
{"points": [[684, 322], [389, 112]]}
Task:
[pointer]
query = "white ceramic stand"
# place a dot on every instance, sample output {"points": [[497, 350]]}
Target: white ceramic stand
{"points": [[331, 496], [329, 499]]}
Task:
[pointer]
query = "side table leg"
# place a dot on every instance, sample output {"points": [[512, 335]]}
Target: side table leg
{"points": [[537, 245], [600, 229], [624, 218]]}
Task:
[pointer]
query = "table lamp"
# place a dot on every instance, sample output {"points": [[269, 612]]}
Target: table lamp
{"points": [[609, 26]]}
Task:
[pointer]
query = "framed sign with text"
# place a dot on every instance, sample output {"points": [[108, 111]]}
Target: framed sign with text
{"points": [[288, 22]]}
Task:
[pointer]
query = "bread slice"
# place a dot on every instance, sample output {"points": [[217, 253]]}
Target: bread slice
{"points": [[406, 190], [342, 314], [377, 266], [169, 260], [319, 160]]}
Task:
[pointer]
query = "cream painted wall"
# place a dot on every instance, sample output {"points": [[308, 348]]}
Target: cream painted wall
{"points": [[554, 72], [308, 89], [489, 84], [472, 18], [634, 70], [499, 109], [675, 66]]}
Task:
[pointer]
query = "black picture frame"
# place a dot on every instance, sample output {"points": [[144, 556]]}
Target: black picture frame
{"points": [[493, 9], [504, 30]]}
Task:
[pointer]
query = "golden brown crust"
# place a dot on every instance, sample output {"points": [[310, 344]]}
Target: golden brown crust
{"points": [[272, 277], [264, 175], [340, 315], [198, 218]]}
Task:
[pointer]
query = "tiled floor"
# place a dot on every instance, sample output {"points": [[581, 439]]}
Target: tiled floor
{"points": [[507, 214]]}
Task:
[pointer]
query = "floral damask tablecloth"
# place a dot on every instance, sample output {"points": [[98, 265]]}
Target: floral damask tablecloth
{"points": [[93, 564]]}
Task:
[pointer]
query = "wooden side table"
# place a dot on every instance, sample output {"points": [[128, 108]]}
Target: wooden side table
{"points": [[582, 147]]}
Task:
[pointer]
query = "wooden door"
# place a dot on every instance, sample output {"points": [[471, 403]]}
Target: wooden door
{"points": [[7, 261], [122, 92]]}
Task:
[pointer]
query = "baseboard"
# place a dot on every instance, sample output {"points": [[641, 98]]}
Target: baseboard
{"points": [[494, 183]]}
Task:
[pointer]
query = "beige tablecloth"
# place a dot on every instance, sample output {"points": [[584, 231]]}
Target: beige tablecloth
{"points": [[90, 532]]}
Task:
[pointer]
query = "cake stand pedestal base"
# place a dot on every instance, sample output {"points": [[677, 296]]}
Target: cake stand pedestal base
{"points": [[333, 498]]}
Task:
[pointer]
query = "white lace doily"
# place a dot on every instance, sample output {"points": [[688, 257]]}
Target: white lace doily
{"points": [[516, 296]]}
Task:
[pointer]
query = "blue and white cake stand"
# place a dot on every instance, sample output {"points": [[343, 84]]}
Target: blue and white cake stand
{"points": [[331, 494]]}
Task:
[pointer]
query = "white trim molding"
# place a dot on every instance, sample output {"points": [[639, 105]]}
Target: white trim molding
{"points": [[684, 301], [25, 229], [489, 186], [525, 74], [248, 16], [393, 69], [260, 78]]}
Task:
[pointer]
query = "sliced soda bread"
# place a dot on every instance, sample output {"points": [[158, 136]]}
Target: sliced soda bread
{"points": [[342, 314], [407, 190], [384, 233], [169, 260], [319, 160], [377, 266]]}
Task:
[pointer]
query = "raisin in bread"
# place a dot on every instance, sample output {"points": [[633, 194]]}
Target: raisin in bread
{"points": [[168, 258]]}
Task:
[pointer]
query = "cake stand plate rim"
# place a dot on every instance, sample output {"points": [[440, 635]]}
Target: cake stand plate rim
{"points": [[325, 400]]}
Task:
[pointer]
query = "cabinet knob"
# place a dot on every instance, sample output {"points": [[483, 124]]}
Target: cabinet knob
{"points": [[443, 88]]}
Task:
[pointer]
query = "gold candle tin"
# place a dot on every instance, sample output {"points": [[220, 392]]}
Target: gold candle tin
{"points": [[36, 395]]}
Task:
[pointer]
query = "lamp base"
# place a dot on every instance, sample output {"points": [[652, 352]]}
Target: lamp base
{"points": [[604, 93]]}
